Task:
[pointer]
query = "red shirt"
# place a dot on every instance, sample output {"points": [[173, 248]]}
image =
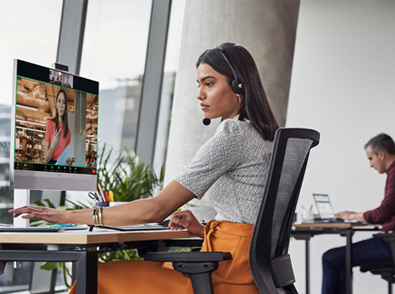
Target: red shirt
{"points": [[63, 142], [385, 213]]}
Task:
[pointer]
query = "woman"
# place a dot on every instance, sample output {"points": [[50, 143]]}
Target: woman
{"points": [[57, 134], [231, 169]]}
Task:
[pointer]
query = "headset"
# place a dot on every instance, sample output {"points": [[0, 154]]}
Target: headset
{"points": [[237, 87]]}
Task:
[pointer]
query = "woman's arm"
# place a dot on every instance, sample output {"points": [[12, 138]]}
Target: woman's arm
{"points": [[154, 209], [48, 150]]}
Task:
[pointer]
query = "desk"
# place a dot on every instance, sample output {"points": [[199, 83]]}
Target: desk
{"points": [[76, 246], [306, 231]]}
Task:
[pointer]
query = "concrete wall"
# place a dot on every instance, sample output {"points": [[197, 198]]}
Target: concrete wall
{"points": [[343, 84], [265, 28]]}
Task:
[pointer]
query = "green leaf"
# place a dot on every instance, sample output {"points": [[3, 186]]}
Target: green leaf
{"points": [[51, 265], [38, 203], [49, 203]]}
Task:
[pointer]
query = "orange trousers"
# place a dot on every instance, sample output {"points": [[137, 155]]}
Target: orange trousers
{"points": [[146, 277]]}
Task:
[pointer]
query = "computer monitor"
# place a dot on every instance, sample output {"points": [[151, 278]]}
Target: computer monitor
{"points": [[54, 129]]}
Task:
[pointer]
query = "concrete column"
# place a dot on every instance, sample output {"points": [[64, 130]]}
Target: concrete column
{"points": [[266, 28], [79, 129], [71, 35]]}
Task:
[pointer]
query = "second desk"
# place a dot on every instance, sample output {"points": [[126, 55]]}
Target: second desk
{"points": [[305, 231]]}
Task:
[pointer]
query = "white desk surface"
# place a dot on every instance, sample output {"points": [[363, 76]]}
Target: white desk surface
{"points": [[84, 237]]}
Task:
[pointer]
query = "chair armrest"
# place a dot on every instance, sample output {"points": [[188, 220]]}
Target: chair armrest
{"points": [[195, 265], [387, 237], [188, 256]]}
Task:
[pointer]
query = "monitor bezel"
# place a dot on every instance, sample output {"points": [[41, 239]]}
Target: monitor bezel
{"points": [[41, 180]]}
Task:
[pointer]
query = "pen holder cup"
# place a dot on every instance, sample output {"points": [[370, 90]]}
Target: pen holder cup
{"points": [[117, 203], [102, 204]]}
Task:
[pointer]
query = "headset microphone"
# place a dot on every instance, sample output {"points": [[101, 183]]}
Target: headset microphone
{"points": [[206, 121]]}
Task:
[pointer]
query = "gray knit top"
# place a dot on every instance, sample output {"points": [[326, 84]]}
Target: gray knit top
{"points": [[231, 169]]}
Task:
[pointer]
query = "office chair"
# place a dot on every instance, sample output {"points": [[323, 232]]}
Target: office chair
{"points": [[383, 267], [269, 262]]}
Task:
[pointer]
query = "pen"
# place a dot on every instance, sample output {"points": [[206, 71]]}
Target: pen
{"points": [[101, 192], [107, 197], [111, 196], [99, 198]]}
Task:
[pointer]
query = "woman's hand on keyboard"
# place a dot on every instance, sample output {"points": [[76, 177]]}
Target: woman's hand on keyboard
{"points": [[186, 219]]}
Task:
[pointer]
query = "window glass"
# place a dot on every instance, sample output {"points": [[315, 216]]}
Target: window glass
{"points": [[171, 63], [28, 36], [114, 51], [32, 37]]}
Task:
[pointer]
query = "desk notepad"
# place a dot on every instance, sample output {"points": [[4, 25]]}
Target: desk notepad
{"points": [[144, 227]]}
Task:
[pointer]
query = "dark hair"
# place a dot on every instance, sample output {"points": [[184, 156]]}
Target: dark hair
{"points": [[255, 106], [65, 120], [381, 142]]}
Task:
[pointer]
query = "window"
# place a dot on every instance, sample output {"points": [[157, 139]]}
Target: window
{"points": [[30, 32], [171, 63], [114, 53]]}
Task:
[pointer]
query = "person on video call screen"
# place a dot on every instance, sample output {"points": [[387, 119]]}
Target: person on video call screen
{"points": [[57, 134]]}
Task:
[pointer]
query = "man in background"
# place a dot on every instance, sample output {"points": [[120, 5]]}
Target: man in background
{"points": [[380, 151]]}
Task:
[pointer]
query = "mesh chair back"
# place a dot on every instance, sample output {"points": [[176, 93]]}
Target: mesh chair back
{"points": [[271, 235]]}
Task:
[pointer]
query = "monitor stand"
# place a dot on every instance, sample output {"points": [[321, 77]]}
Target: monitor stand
{"points": [[21, 198]]}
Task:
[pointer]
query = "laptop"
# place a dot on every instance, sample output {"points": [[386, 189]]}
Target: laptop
{"points": [[325, 209]]}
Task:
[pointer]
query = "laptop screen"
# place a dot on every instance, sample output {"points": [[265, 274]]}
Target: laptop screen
{"points": [[324, 206]]}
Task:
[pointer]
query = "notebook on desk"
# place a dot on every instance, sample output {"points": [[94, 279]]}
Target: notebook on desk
{"points": [[143, 227]]}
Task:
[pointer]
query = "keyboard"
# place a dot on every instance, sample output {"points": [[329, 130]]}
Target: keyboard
{"points": [[329, 221], [30, 230]]}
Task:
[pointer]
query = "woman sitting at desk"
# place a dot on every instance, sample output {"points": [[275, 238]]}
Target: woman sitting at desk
{"points": [[57, 133], [231, 169]]}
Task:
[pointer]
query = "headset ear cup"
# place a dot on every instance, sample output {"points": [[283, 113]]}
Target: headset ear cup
{"points": [[237, 88]]}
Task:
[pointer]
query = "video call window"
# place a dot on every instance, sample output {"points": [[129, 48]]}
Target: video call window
{"points": [[55, 125]]}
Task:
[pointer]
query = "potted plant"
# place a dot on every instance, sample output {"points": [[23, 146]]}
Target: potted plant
{"points": [[126, 177]]}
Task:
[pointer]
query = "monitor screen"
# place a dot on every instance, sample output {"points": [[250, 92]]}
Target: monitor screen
{"points": [[54, 129]]}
